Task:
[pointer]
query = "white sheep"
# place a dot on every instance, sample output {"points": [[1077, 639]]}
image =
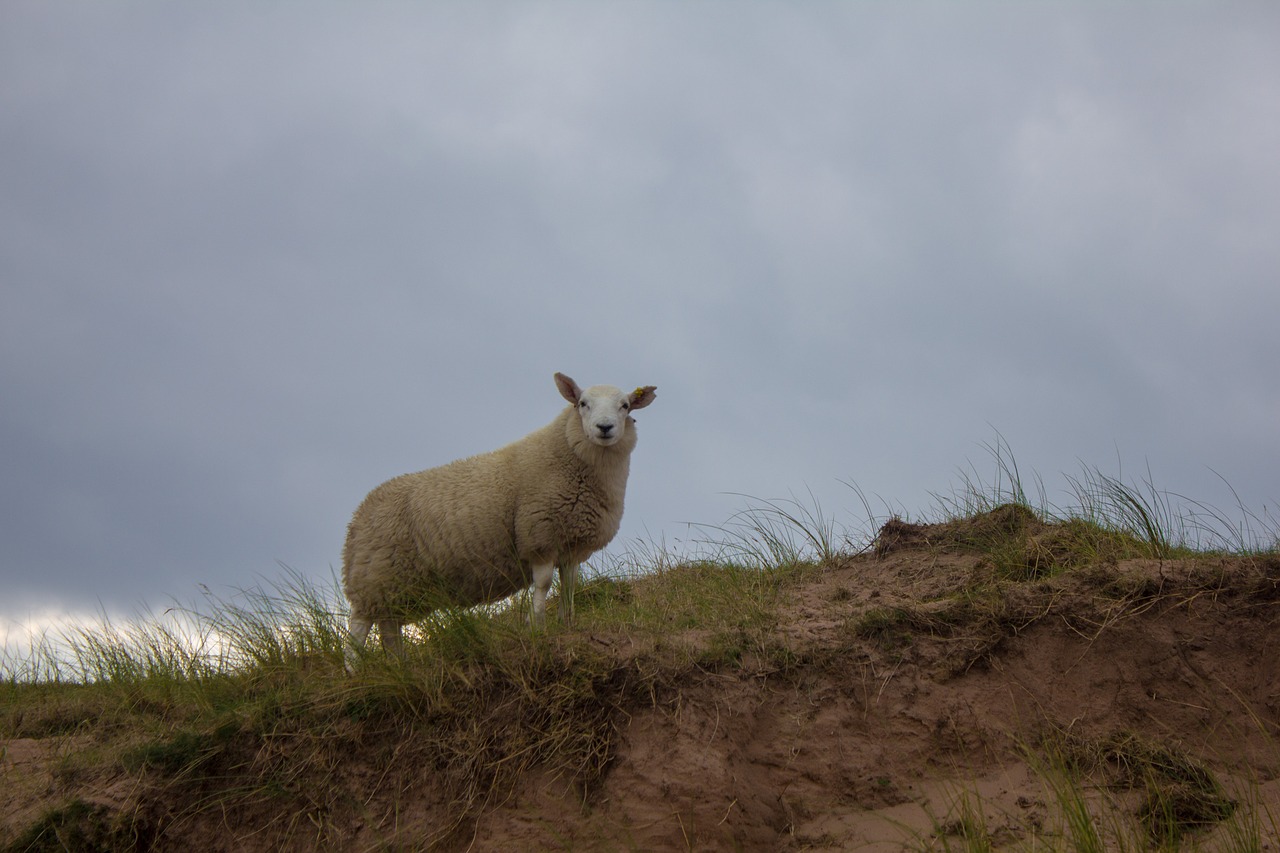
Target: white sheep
{"points": [[480, 529]]}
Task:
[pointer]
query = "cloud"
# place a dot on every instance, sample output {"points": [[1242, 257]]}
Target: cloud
{"points": [[255, 261]]}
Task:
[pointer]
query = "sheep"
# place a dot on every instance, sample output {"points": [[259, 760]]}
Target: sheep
{"points": [[482, 528]]}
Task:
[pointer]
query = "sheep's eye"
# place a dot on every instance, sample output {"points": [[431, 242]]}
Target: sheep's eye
{"points": [[626, 407], [582, 404]]}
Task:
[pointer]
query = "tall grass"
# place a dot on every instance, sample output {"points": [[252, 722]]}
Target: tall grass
{"points": [[274, 624], [1169, 523], [974, 494], [778, 533], [294, 617]]}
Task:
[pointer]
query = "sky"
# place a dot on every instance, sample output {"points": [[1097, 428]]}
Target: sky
{"points": [[257, 258]]}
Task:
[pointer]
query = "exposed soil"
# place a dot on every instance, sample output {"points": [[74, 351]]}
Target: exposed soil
{"points": [[897, 689]]}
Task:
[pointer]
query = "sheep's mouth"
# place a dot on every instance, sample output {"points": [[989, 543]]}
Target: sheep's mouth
{"points": [[605, 439]]}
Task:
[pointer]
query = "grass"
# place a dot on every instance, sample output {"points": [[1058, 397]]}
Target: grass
{"points": [[1122, 793], [77, 825], [777, 534], [236, 705], [1164, 524], [1097, 781]]}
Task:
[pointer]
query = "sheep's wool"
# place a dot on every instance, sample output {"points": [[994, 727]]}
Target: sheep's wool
{"points": [[474, 530]]}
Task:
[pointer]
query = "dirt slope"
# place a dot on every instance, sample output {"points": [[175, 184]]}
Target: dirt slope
{"points": [[870, 743], [899, 695]]}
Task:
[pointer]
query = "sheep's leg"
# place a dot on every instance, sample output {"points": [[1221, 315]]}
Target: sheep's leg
{"points": [[358, 628], [568, 583], [389, 631], [543, 574]]}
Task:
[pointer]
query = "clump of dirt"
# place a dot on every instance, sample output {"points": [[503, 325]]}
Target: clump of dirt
{"points": [[971, 534], [960, 670], [1017, 543]]}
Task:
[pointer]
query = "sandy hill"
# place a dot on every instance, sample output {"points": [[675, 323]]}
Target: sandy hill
{"points": [[990, 683]]}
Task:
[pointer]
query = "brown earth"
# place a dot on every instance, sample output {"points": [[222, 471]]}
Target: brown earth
{"points": [[898, 694]]}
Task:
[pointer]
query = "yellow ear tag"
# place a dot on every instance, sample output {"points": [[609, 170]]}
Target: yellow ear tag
{"points": [[638, 393]]}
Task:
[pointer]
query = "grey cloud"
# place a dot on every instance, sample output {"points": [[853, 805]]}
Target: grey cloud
{"points": [[254, 260]]}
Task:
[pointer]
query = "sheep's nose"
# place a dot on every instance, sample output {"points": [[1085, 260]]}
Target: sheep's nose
{"points": [[605, 429]]}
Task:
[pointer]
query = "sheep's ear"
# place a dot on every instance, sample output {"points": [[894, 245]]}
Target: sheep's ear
{"points": [[568, 388], [643, 396]]}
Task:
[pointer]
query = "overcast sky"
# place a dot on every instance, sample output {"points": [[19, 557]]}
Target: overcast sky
{"points": [[257, 258]]}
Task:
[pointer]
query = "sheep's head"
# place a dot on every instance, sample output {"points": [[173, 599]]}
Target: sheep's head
{"points": [[605, 410]]}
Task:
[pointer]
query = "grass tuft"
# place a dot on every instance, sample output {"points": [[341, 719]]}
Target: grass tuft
{"points": [[78, 825], [774, 534]]}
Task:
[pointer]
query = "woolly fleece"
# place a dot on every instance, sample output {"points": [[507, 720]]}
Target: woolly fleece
{"points": [[469, 532]]}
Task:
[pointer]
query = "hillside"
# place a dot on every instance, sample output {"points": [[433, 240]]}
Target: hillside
{"points": [[991, 682]]}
